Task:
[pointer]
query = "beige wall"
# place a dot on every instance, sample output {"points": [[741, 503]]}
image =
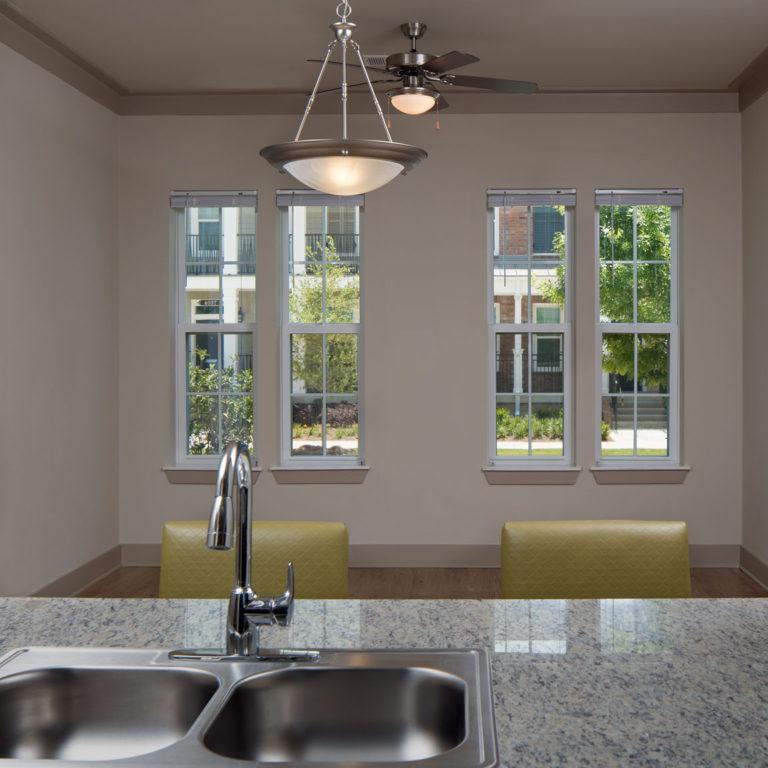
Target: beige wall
{"points": [[425, 363], [58, 234], [755, 192]]}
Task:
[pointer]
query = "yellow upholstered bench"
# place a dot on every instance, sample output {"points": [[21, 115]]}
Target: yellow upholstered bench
{"points": [[318, 552], [593, 559]]}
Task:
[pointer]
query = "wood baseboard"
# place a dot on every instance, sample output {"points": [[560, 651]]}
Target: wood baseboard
{"points": [[423, 556], [754, 567], [140, 554], [73, 582], [446, 555], [388, 556], [714, 555]]}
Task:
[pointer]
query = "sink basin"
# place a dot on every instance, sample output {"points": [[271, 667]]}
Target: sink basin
{"points": [[98, 714], [381, 708], [332, 715]]}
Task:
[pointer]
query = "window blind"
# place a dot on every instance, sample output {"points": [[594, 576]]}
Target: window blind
{"points": [[670, 197], [289, 197], [511, 197], [206, 199]]}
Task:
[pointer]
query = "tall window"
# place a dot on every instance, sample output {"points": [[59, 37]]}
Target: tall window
{"points": [[529, 325], [321, 328], [637, 325], [215, 257]]}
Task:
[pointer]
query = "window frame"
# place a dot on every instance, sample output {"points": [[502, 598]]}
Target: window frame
{"points": [[180, 201], [672, 328], [306, 198], [532, 199]]}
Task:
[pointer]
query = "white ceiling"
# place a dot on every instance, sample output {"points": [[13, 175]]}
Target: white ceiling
{"points": [[172, 46]]}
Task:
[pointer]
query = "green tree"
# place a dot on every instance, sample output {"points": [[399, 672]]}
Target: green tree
{"points": [[203, 406], [619, 227], [329, 292]]}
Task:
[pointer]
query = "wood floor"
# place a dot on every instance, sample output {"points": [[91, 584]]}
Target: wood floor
{"points": [[445, 583]]}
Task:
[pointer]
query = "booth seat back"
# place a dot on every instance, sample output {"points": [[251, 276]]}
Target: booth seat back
{"points": [[319, 552], [590, 559]]}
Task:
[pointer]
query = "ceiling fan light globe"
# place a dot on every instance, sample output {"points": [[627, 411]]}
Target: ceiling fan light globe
{"points": [[413, 103]]}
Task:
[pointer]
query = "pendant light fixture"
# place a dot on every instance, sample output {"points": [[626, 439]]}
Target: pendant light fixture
{"points": [[343, 166]]}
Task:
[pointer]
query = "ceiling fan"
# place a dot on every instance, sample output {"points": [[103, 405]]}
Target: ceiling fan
{"points": [[418, 74]]}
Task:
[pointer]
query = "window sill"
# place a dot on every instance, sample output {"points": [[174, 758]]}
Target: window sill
{"points": [[319, 475], [670, 475], [531, 475], [199, 475]]}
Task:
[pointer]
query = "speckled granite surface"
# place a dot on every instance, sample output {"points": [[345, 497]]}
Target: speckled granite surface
{"points": [[576, 683]]}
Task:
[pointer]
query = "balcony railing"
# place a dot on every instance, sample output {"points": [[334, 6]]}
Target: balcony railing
{"points": [[546, 373], [244, 363], [204, 254], [506, 266]]}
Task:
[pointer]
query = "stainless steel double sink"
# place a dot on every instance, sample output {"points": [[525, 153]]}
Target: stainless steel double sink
{"points": [[378, 707]]}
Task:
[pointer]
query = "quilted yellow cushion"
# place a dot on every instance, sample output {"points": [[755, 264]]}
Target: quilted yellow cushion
{"points": [[593, 559], [318, 551]]}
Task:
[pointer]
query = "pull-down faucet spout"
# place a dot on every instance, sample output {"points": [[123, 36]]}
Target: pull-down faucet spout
{"points": [[230, 525]]}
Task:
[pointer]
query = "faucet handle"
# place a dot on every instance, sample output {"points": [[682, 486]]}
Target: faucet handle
{"points": [[283, 605]]}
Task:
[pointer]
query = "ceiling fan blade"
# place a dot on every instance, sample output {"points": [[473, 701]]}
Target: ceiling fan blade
{"points": [[442, 103], [452, 60], [350, 64], [355, 85], [491, 83]]}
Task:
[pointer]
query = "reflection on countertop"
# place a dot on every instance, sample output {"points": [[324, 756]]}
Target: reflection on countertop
{"points": [[579, 682]]}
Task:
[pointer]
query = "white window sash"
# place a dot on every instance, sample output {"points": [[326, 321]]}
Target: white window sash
{"points": [[671, 328], [288, 328], [182, 327], [564, 328]]}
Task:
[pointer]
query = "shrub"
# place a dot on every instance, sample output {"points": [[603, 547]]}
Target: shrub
{"points": [[545, 424]]}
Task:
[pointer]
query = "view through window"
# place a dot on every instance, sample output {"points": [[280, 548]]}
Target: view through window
{"points": [[637, 323], [529, 328], [321, 329], [216, 316]]}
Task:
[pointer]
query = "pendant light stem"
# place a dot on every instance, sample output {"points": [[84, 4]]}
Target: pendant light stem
{"points": [[311, 101], [344, 88], [356, 48]]}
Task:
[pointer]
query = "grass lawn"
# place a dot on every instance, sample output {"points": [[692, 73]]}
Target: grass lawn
{"points": [[628, 452], [559, 452]]}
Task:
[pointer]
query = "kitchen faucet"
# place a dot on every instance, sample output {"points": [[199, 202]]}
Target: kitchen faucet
{"points": [[230, 525]]}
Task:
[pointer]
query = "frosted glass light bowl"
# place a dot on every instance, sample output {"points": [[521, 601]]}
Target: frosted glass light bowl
{"points": [[343, 166]]}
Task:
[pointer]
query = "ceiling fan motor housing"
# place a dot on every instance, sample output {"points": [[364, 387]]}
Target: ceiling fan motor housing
{"points": [[408, 60]]}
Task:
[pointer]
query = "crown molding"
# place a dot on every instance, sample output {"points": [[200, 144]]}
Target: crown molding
{"points": [[33, 43], [752, 83], [260, 103], [24, 37]]}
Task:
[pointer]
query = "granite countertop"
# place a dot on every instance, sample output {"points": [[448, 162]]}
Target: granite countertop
{"points": [[576, 683]]}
